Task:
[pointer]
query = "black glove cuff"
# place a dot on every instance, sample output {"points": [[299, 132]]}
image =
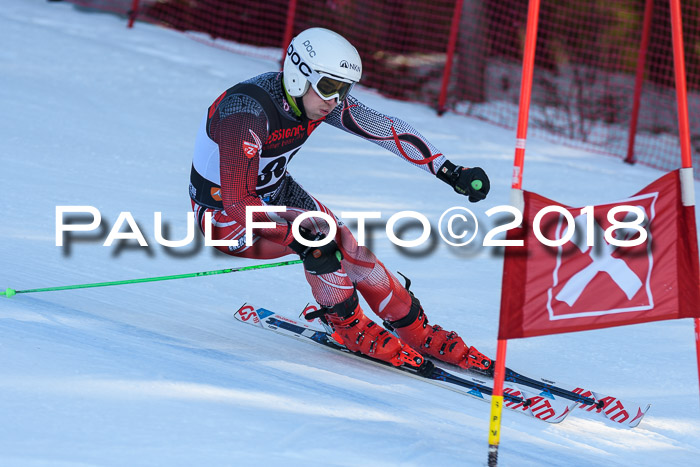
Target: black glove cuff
{"points": [[449, 173], [297, 247]]}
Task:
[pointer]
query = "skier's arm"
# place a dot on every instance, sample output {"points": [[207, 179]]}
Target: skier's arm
{"points": [[402, 139], [239, 172], [389, 132]]}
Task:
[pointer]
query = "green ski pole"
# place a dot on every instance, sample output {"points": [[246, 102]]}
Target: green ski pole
{"points": [[11, 292]]}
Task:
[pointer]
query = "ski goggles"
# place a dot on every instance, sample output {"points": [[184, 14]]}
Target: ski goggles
{"points": [[329, 87]]}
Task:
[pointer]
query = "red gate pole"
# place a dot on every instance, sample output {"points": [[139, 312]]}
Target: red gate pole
{"points": [[133, 13], [525, 93], [447, 71], [681, 93], [639, 79], [516, 193], [288, 28], [687, 182]]}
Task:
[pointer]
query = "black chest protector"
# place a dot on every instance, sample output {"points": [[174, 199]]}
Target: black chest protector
{"points": [[285, 137]]}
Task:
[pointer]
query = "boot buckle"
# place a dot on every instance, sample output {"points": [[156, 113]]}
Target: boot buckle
{"points": [[410, 357]]}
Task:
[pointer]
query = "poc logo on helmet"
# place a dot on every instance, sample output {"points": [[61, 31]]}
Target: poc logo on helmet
{"points": [[351, 66], [296, 59], [309, 48]]}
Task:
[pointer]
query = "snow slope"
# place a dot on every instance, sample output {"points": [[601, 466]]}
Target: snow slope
{"points": [[161, 374]]}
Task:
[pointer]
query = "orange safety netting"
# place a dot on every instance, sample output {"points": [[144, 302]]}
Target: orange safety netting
{"points": [[584, 82]]}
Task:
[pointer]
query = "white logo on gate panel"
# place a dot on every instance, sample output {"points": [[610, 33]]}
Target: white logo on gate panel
{"points": [[571, 296]]}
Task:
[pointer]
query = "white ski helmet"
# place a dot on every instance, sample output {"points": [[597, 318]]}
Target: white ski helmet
{"points": [[324, 60]]}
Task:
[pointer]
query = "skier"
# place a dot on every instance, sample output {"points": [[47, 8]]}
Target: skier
{"points": [[244, 145]]}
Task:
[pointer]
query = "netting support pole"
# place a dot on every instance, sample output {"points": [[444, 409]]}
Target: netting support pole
{"points": [[683, 124], [133, 13], [451, 42], [288, 29], [639, 79], [517, 184]]}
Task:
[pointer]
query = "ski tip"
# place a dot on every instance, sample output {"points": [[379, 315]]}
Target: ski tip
{"points": [[247, 313], [243, 308], [638, 417], [560, 418]]}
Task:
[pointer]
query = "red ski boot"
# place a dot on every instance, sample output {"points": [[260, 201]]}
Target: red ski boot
{"points": [[433, 341], [360, 334]]}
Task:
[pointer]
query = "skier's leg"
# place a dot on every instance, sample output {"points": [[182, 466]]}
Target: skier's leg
{"points": [[340, 307], [225, 228], [399, 308], [436, 342], [360, 334], [334, 291], [331, 288]]}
